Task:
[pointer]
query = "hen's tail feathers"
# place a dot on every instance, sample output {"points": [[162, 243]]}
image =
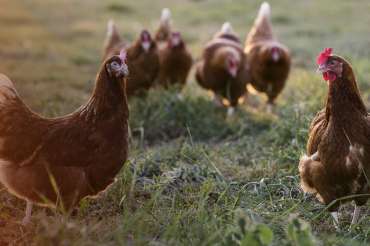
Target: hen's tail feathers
{"points": [[112, 34], [227, 28], [7, 90], [265, 11], [165, 17], [307, 170], [262, 29]]}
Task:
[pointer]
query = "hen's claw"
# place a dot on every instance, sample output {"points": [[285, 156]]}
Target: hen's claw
{"points": [[27, 218], [355, 216]]}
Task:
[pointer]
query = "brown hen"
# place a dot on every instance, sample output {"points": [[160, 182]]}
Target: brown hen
{"points": [[338, 162], [269, 60], [223, 68], [175, 62], [56, 162], [142, 59]]}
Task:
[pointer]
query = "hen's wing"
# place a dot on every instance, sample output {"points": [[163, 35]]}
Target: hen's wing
{"points": [[72, 142], [316, 130], [69, 145], [199, 72]]}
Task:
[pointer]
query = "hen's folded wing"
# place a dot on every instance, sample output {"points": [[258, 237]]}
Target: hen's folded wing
{"points": [[78, 144], [316, 130]]}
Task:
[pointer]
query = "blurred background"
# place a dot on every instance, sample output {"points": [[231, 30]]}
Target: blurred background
{"points": [[52, 48]]}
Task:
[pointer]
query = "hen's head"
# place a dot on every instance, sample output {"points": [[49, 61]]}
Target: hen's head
{"points": [[116, 66], [341, 80], [331, 66], [175, 40], [145, 40]]}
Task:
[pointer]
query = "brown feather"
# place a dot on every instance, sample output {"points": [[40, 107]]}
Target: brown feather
{"points": [[163, 33], [341, 135], [175, 65], [211, 73], [267, 75], [82, 151], [143, 66]]}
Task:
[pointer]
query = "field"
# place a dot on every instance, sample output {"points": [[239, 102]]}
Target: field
{"points": [[193, 177]]}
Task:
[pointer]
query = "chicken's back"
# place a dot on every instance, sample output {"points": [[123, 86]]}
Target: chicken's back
{"points": [[143, 67]]}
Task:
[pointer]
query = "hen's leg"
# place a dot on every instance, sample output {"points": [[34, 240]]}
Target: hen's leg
{"points": [[217, 100], [270, 108], [336, 220], [180, 96], [230, 111], [27, 218], [271, 95], [356, 215], [129, 132]]}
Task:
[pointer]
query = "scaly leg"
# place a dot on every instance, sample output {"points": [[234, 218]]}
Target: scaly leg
{"points": [[336, 220], [355, 216], [27, 218]]}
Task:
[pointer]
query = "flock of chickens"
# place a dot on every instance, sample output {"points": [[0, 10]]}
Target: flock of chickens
{"points": [[225, 67], [93, 141]]}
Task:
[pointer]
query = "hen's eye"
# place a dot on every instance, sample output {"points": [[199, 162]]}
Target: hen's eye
{"points": [[115, 65]]}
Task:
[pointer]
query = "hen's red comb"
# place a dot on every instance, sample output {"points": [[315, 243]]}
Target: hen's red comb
{"points": [[324, 56], [123, 55]]}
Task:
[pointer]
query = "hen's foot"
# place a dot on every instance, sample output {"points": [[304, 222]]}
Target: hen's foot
{"points": [[27, 218], [355, 216], [336, 220]]}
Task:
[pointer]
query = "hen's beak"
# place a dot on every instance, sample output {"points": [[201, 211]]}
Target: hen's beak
{"points": [[122, 71], [233, 71], [275, 56], [146, 45], [322, 68], [175, 41]]}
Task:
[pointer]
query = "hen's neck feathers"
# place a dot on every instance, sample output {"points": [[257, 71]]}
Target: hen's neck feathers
{"points": [[108, 98], [344, 98], [179, 47], [136, 49]]}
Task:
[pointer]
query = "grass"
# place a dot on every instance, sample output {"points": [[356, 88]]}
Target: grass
{"points": [[193, 177]]}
